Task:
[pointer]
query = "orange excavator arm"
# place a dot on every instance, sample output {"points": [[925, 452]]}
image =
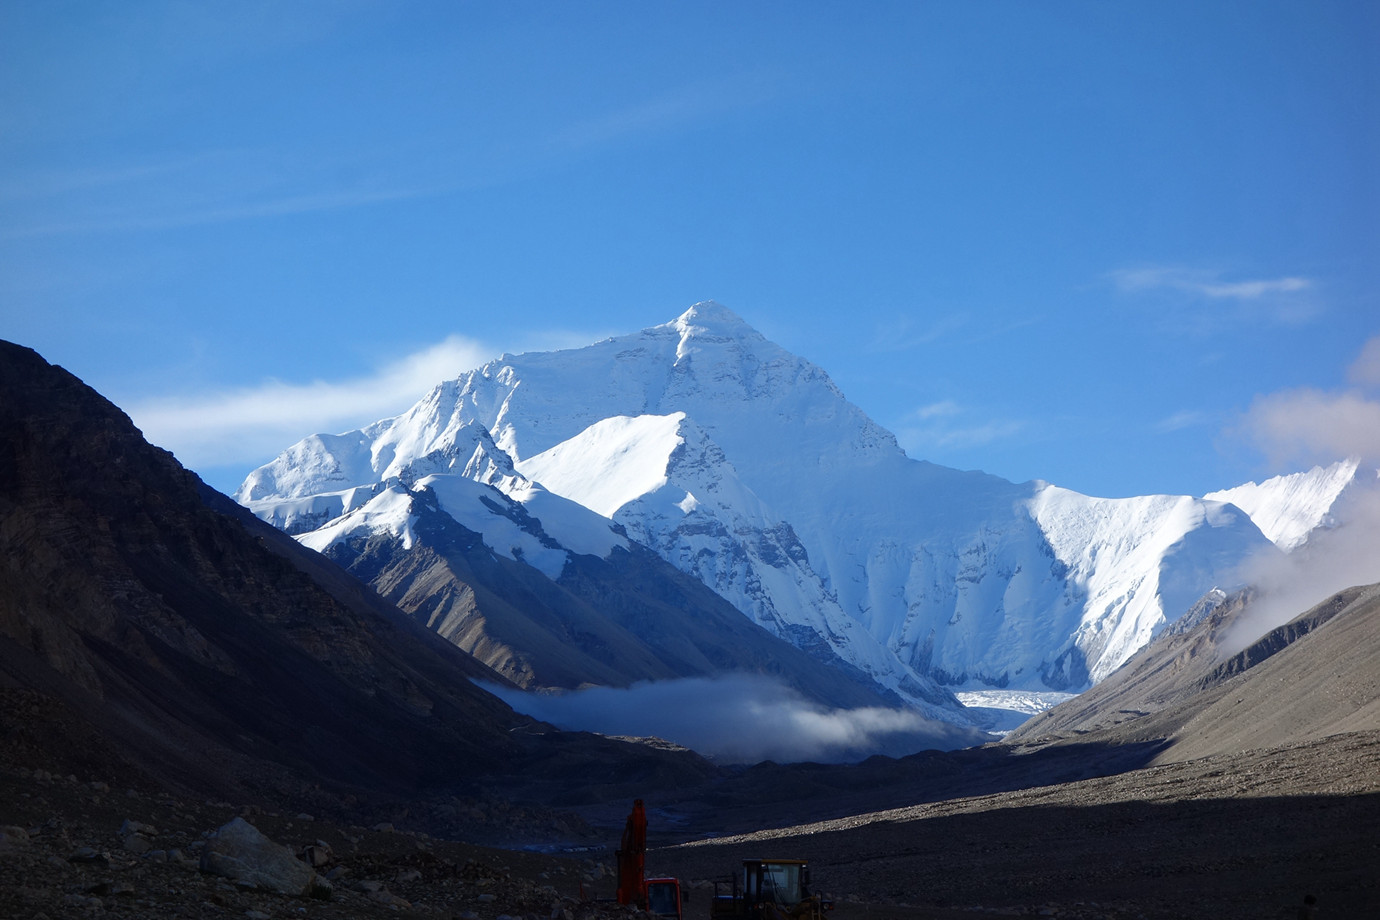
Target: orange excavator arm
{"points": [[632, 858]]}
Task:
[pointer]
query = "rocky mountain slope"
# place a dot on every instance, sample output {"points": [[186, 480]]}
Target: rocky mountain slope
{"points": [[607, 620], [744, 466], [149, 622], [1310, 678]]}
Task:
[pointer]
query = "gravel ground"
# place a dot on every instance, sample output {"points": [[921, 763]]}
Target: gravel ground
{"points": [[1225, 837], [63, 854], [1243, 837]]}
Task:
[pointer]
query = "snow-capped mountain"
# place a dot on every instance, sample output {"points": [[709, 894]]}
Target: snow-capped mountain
{"points": [[1289, 508], [403, 504], [744, 466]]}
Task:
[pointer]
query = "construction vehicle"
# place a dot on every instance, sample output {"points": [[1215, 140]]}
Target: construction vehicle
{"points": [[769, 889], [659, 896]]}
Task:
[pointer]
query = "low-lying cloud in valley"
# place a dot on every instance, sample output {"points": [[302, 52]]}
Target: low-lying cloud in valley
{"points": [[740, 718]]}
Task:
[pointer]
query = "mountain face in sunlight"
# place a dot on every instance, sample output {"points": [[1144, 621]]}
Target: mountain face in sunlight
{"points": [[743, 466]]}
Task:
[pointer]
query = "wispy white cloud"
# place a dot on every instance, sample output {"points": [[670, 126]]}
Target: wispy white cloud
{"points": [[683, 107], [945, 408], [53, 182], [1187, 418], [909, 332], [903, 333], [560, 339], [1207, 299], [946, 425], [1308, 425], [250, 425], [1311, 426], [1206, 284], [1253, 290], [210, 187], [193, 217], [1365, 370]]}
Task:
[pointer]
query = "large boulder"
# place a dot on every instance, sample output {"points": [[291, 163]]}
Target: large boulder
{"points": [[13, 838], [239, 851]]}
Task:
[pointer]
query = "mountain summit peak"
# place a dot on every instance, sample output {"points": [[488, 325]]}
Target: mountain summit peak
{"points": [[713, 319]]}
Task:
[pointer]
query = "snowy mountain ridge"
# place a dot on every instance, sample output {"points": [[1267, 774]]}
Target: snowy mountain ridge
{"points": [[744, 466], [1289, 508], [378, 469]]}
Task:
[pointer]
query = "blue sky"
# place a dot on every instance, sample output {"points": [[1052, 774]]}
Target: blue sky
{"points": [[1123, 247]]}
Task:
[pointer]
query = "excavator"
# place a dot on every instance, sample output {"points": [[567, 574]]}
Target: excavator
{"points": [[659, 896], [766, 889]]}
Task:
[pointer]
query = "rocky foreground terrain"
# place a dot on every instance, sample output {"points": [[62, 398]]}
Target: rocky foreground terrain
{"points": [[1245, 836], [79, 848]]}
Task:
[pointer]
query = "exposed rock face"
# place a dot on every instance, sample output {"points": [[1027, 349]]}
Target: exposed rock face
{"points": [[240, 852], [13, 838]]}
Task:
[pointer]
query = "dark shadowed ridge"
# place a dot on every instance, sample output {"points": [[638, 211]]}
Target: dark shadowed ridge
{"points": [[148, 622]]}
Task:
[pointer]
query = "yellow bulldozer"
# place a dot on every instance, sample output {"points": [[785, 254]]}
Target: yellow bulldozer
{"points": [[768, 889]]}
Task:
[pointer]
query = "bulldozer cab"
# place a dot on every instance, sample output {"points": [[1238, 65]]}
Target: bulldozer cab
{"points": [[769, 889], [775, 881]]}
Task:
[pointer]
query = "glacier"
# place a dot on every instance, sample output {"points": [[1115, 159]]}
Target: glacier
{"points": [[744, 465]]}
